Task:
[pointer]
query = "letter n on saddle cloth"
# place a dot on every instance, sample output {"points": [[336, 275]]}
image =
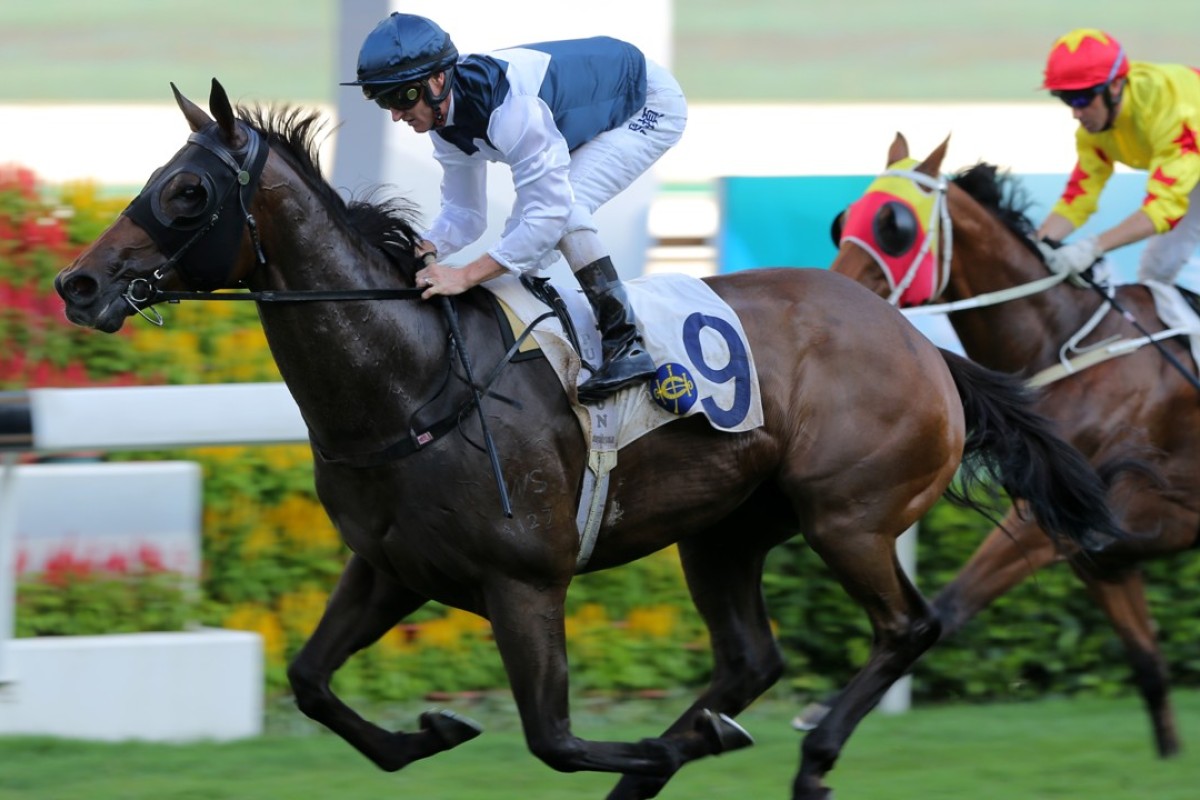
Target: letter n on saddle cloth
{"points": [[704, 365]]}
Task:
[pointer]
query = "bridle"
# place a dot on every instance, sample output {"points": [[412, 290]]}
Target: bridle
{"points": [[229, 178], [940, 221], [937, 225]]}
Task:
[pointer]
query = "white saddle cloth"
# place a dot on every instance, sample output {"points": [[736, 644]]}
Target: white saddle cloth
{"points": [[696, 340]]}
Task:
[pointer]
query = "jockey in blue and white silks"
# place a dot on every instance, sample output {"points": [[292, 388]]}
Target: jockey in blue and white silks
{"points": [[576, 121]]}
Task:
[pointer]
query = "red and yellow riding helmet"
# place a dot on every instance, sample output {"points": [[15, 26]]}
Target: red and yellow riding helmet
{"points": [[1084, 58]]}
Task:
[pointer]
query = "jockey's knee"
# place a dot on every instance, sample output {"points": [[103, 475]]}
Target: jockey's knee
{"points": [[1158, 270], [1164, 256]]}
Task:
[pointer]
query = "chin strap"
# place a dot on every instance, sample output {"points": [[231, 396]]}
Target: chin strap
{"points": [[1111, 103], [435, 100]]}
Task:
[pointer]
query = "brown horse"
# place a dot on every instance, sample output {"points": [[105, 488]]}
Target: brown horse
{"points": [[865, 425], [1138, 400]]}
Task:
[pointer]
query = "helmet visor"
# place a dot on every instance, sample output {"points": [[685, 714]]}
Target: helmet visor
{"points": [[395, 98], [1079, 98]]}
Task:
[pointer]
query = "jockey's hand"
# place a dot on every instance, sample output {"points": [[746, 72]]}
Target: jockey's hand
{"points": [[1075, 257], [438, 279]]}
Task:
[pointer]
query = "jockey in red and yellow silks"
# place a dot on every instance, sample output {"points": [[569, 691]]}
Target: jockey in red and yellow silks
{"points": [[1146, 116]]}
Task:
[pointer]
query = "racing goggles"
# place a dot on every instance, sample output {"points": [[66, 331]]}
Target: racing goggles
{"points": [[1079, 98], [401, 98]]}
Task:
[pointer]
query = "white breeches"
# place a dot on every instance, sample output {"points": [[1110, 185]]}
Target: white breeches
{"points": [[1166, 253], [605, 166]]}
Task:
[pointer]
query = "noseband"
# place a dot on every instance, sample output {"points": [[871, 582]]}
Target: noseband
{"points": [[229, 178]]}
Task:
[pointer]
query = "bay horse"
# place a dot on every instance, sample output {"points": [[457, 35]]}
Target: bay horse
{"points": [[865, 425], [1136, 401]]}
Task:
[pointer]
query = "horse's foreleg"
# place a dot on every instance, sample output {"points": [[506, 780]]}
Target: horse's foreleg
{"points": [[867, 567], [527, 622], [364, 606], [1009, 555], [1122, 597], [725, 580]]}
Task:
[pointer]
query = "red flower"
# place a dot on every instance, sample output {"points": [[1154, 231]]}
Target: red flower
{"points": [[117, 563], [151, 558], [63, 568], [43, 232], [21, 179], [76, 374]]}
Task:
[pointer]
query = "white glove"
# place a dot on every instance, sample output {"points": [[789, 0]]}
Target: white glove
{"points": [[1075, 257]]}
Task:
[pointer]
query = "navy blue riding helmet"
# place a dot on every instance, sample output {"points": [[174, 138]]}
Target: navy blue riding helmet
{"points": [[402, 53]]}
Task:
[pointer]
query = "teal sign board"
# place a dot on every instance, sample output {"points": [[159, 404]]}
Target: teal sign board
{"points": [[785, 221]]}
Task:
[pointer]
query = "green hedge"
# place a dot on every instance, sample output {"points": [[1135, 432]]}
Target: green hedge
{"points": [[1043, 637]]}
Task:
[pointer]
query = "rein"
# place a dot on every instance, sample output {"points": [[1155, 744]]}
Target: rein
{"points": [[940, 220], [1049, 375], [156, 295]]}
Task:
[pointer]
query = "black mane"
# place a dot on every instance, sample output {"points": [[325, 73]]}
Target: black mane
{"points": [[295, 133], [1000, 194]]}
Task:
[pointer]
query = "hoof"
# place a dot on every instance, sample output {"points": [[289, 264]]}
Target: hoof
{"points": [[722, 733], [450, 728], [810, 717]]}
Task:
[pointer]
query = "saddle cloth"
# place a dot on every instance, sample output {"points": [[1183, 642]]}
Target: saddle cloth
{"points": [[704, 361], [1176, 313]]}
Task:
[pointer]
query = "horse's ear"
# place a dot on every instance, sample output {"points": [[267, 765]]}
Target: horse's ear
{"points": [[932, 165], [899, 149], [195, 115], [222, 111]]}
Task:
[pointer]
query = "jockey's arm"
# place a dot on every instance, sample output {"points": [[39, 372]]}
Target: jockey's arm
{"points": [[1134, 228], [1055, 227]]}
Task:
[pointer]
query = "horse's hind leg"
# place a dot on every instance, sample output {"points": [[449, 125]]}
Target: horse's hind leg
{"points": [[1009, 555], [1122, 597], [364, 606], [866, 565], [527, 622], [724, 575]]}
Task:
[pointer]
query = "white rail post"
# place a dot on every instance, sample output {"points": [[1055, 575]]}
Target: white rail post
{"points": [[899, 698], [8, 567]]}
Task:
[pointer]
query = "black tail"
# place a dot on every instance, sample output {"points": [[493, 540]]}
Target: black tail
{"points": [[1009, 440]]}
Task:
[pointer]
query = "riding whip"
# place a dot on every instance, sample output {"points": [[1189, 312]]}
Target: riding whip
{"points": [[456, 334]]}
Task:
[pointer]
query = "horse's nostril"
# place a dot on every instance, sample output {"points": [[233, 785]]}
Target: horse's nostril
{"points": [[77, 288]]}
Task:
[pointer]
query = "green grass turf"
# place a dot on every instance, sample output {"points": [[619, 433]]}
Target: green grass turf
{"points": [[1091, 749]]}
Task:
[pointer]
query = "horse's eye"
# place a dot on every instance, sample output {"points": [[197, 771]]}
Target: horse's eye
{"points": [[835, 229], [193, 195], [895, 228], [184, 197]]}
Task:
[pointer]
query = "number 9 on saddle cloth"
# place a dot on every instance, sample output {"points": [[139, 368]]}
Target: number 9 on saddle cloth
{"points": [[704, 364]]}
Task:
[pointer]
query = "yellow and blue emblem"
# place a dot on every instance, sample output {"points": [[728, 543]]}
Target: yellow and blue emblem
{"points": [[674, 389]]}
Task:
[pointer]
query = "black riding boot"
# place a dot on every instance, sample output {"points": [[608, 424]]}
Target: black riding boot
{"points": [[625, 360]]}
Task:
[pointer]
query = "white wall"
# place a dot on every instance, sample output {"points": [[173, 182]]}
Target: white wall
{"points": [[95, 511], [180, 686]]}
